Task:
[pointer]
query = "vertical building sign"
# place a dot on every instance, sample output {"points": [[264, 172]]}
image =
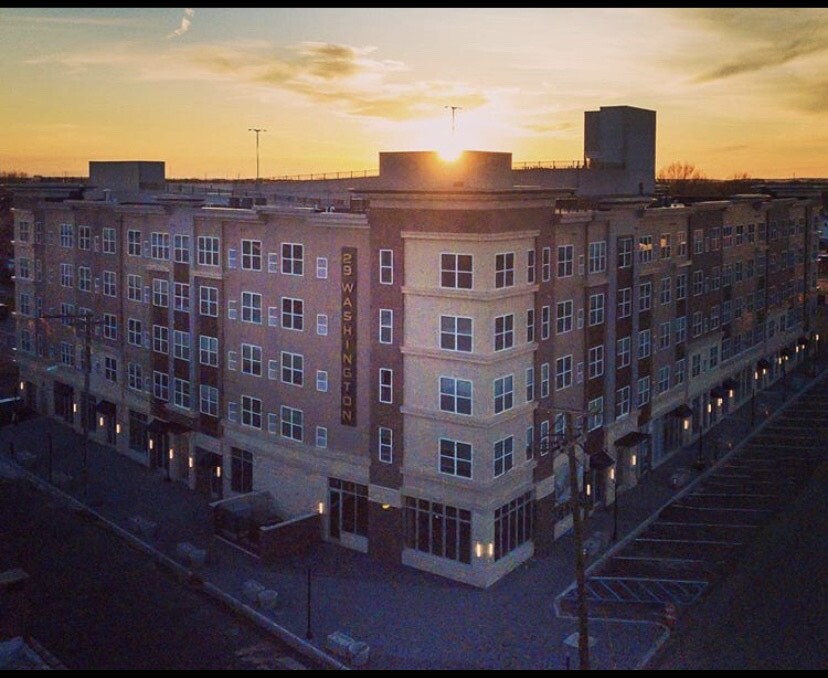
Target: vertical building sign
{"points": [[349, 337]]}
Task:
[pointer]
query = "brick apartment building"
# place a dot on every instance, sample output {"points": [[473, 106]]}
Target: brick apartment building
{"points": [[409, 370]]}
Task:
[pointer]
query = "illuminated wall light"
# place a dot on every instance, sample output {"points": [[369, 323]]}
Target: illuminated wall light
{"points": [[612, 474], [74, 408], [632, 461], [171, 453], [686, 424], [117, 428], [478, 549], [218, 471], [588, 489], [490, 549], [190, 462], [731, 393], [816, 337], [321, 508], [100, 421], [709, 408], [150, 443], [22, 385], [719, 402], [756, 375], [385, 507]]}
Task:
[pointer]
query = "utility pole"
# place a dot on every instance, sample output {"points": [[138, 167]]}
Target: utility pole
{"points": [[87, 321], [454, 109], [257, 130], [577, 530]]}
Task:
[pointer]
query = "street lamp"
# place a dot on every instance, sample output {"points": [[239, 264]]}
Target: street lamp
{"points": [[257, 130], [614, 506]]}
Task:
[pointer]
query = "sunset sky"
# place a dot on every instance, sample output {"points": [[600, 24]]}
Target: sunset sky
{"points": [[735, 90]]}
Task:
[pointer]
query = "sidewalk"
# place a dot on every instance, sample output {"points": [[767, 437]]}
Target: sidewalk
{"points": [[410, 619]]}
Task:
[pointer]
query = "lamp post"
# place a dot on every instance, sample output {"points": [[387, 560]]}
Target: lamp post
{"points": [[614, 506], [257, 130]]}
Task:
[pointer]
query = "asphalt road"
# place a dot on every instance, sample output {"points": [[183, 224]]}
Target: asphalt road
{"points": [[100, 604], [771, 612]]}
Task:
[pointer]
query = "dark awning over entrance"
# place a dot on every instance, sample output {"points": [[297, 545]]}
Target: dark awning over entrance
{"points": [[600, 461], [763, 364], [786, 352], [159, 426], [682, 411], [729, 384], [106, 408], [631, 439]]}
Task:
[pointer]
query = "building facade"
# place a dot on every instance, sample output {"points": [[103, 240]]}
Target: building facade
{"points": [[413, 370]]}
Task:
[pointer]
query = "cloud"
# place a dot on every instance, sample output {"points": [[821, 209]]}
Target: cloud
{"points": [[186, 20], [755, 40]]}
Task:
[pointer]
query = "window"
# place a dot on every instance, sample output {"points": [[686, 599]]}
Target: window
{"points": [[67, 275], [566, 254], [386, 326], [161, 385], [241, 471], [596, 362], [625, 252], [135, 332], [386, 267], [111, 369], [322, 381], [251, 255], [251, 410], [505, 269], [530, 384], [292, 313], [385, 444], [108, 240], [664, 379], [455, 395], [504, 332], [293, 368], [513, 525], [208, 400], [530, 266], [134, 287], [597, 257], [109, 288], [160, 246], [644, 344], [208, 301], [666, 284], [23, 268], [208, 250], [161, 339], [135, 376], [503, 455], [623, 353], [455, 333], [563, 372], [664, 335], [679, 372], [293, 258], [321, 436], [160, 292], [643, 391], [67, 353], [181, 393], [546, 264], [697, 323], [386, 384], [698, 282], [67, 235], [681, 244], [596, 309], [714, 356], [181, 297], [681, 286], [595, 416], [564, 316], [530, 325], [645, 296], [456, 271], [23, 231], [698, 241], [322, 268], [455, 458], [134, 243], [503, 393], [664, 246], [208, 350], [544, 385], [85, 279], [251, 307], [545, 322], [292, 423], [110, 326], [681, 328], [181, 248], [322, 324], [645, 249], [24, 304], [437, 529], [251, 360], [624, 296], [622, 402]]}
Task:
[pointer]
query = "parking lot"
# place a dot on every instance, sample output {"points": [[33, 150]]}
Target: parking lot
{"points": [[695, 540]]}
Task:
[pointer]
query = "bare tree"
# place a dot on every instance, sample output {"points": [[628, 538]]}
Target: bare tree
{"points": [[680, 171]]}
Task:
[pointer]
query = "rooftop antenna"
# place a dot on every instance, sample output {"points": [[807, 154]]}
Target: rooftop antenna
{"points": [[257, 130], [454, 109]]}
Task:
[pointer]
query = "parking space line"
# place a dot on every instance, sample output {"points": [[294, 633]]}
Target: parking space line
{"points": [[680, 524], [711, 542]]}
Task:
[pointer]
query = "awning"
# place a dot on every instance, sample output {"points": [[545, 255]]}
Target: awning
{"points": [[785, 352], [763, 364], [802, 341], [682, 412], [600, 461], [631, 439], [159, 426], [729, 384], [718, 392], [106, 408]]}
